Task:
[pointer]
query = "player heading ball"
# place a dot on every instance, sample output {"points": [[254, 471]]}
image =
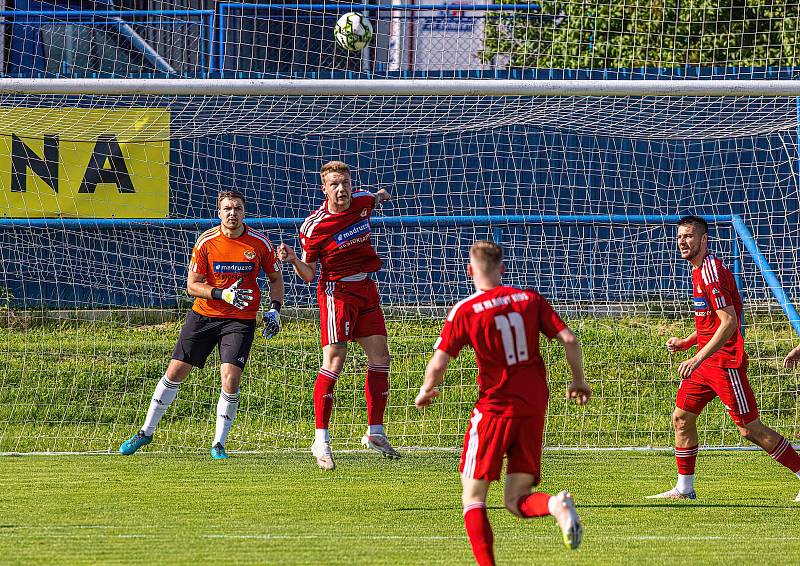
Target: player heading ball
{"points": [[338, 236]]}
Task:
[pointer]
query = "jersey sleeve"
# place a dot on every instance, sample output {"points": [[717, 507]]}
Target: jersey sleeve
{"points": [[363, 200], [452, 338], [269, 262], [199, 261], [309, 247], [549, 321], [719, 285]]}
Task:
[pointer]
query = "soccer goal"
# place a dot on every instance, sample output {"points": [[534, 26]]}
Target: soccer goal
{"points": [[107, 184]]}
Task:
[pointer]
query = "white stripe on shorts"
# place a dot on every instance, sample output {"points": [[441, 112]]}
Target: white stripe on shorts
{"points": [[331, 306], [741, 399], [472, 444]]}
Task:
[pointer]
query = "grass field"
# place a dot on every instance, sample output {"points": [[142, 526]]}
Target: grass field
{"points": [[79, 386], [277, 508]]}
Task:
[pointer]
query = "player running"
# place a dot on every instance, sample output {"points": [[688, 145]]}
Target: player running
{"points": [[226, 261], [502, 324], [337, 235], [719, 367]]}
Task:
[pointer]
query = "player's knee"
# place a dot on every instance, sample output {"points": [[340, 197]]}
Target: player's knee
{"points": [[381, 360], [680, 421]]}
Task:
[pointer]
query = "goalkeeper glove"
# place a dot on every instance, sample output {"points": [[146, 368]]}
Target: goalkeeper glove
{"points": [[240, 298], [272, 321]]}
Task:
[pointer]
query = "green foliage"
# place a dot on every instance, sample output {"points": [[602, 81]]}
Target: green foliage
{"points": [[602, 34], [279, 509]]}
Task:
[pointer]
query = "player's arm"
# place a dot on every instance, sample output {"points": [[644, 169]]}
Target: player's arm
{"points": [[381, 196], [196, 286], [578, 389], [676, 344], [728, 323], [792, 358], [434, 375], [272, 318], [305, 271]]}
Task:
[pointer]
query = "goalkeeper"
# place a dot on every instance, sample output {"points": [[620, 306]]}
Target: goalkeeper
{"points": [[226, 261]]}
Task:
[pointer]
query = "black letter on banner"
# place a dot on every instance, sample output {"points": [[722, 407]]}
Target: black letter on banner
{"points": [[23, 157], [107, 148]]}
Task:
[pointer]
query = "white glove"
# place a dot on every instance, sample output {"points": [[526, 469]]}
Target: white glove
{"points": [[272, 324], [240, 298]]}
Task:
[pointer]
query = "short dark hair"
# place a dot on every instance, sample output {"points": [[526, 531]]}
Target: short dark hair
{"points": [[486, 254], [229, 194], [695, 221]]}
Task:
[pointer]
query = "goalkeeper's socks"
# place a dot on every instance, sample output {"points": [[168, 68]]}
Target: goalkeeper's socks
{"points": [[479, 531], [163, 396], [323, 397], [376, 390], [534, 505], [226, 411], [784, 453]]}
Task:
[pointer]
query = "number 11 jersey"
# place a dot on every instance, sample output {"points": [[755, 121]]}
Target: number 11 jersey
{"points": [[502, 326]]}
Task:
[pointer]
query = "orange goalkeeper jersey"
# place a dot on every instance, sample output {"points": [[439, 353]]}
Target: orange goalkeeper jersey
{"points": [[223, 260]]}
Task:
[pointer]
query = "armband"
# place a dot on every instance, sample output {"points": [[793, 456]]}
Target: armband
{"points": [[276, 305]]}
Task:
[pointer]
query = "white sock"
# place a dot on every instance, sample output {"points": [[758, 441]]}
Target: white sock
{"points": [[321, 435], [375, 429], [685, 483], [797, 474], [163, 396], [226, 412], [552, 505]]}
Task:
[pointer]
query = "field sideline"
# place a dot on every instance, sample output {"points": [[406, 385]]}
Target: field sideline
{"points": [[277, 508]]}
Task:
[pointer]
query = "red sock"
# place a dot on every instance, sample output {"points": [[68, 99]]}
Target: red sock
{"points": [[323, 397], [534, 504], [376, 390], [785, 454], [479, 531], [686, 458]]}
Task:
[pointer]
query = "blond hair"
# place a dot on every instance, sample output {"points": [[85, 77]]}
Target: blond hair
{"points": [[486, 256], [333, 167]]}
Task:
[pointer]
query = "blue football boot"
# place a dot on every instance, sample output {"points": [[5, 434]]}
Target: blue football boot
{"points": [[218, 452], [135, 442]]}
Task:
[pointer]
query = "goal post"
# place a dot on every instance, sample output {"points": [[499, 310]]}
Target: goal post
{"points": [[581, 181]]}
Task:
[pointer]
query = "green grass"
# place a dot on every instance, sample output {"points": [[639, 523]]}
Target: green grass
{"points": [[277, 508], [79, 386]]}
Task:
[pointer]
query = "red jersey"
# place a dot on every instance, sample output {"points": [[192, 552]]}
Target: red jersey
{"points": [[223, 260], [714, 288], [340, 241], [503, 326]]}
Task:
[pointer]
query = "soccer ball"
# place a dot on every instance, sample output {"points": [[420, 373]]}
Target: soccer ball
{"points": [[353, 31]]}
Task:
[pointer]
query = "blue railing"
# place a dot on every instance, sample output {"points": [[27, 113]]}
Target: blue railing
{"points": [[495, 222]]}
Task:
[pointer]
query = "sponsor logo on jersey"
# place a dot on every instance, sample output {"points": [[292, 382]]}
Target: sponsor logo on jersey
{"points": [[351, 232], [364, 213], [249, 254], [700, 304], [233, 267]]}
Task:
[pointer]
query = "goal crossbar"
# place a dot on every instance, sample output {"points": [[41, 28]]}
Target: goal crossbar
{"points": [[399, 87]]}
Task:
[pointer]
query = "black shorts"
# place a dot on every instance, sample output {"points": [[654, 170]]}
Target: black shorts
{"points": [[201, 333]]}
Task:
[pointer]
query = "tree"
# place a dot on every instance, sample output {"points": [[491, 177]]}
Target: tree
{"points": [[645, 33]]}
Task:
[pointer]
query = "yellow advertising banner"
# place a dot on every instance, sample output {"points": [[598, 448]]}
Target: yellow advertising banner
{"points": [[84, 163]]}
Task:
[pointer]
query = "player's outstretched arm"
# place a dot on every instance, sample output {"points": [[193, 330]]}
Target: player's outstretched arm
{"points": [[381, 196], [676, 344], [792, 358], [578, 389], [305, 271], [434, 375]]}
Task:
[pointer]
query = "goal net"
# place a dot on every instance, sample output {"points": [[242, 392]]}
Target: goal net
{"points": [[104, 196]]}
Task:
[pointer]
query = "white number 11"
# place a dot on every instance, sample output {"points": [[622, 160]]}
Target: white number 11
{"points": [[514, 343]]}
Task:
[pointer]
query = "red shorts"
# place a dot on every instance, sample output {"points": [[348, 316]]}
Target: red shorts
{"points": [[489, 438], [730, 384], [348, 310]]}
